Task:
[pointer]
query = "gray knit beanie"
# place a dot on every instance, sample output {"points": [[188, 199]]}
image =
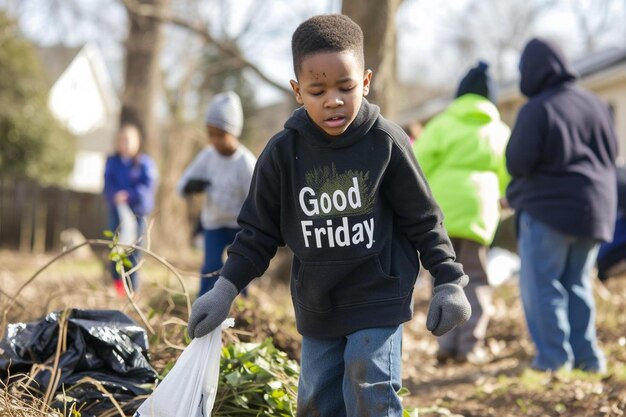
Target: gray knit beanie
{"points": [[224, 112]]}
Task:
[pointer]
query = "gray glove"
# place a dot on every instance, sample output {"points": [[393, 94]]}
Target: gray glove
{"points": [[212, 308], [448, 308]]}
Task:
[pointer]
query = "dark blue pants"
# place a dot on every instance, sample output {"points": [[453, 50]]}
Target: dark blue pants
{"points": [[215, 241]]}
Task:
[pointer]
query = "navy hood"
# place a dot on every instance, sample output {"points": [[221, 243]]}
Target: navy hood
{"points": [[543, 66]]}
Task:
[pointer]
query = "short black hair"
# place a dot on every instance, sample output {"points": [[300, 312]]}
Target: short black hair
{"points": [[326, 33]]}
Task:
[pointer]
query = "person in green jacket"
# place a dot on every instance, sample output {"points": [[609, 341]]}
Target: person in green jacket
{"points": [[461, 152]]}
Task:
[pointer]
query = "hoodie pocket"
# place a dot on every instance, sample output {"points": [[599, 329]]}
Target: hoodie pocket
{"points": [[321, 287]]}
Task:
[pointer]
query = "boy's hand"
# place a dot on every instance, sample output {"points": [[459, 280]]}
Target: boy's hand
{"points": [[212, 308], [448, 308], [120, 197]]}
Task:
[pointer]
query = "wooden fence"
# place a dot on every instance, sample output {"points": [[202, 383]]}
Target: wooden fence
{"points": [[32, 217]]}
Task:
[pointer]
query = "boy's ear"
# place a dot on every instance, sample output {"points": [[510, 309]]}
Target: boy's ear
{"points": [[367, 81], [296, 91]]}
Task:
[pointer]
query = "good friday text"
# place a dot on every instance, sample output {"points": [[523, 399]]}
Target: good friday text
{"points": [[337, 231]]}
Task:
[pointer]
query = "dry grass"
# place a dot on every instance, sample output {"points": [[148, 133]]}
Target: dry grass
{"points": [[503, 388], [33, 286], [46, 284], [17, 401]]}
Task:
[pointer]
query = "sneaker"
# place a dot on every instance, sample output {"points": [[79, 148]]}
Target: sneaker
{"points": [[119, 288], [539, 368], [444, 356]]}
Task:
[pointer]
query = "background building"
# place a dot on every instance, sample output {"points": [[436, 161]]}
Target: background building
{"points": [[83, 99]]}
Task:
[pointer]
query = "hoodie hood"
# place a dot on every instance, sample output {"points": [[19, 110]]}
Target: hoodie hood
{"points": [[474, 107], [365, 119], [543, 66]]}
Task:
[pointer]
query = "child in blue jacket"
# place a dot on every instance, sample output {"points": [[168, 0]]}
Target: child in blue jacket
{"points": [[130, 181]]}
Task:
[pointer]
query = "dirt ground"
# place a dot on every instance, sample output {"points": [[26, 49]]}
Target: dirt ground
{"points": [[502, 387], [505, 386]]}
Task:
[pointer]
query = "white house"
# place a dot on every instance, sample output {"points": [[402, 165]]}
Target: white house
{"points": [[83, 99]]}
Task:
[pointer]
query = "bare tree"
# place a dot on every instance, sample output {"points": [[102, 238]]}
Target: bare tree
{"points": [[141, 86], [593, 19], [225, 45], [211, 56], [377, 19], [495, 30]]}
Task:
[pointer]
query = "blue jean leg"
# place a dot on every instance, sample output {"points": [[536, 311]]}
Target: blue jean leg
{"points": [[321, 377], [215, 241], [352, 376], [555, 284], [544, 253], [582, 310]]}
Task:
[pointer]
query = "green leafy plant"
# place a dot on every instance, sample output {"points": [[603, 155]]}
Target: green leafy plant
{"points": [[256, 379], [118, 254], [407, 412]]}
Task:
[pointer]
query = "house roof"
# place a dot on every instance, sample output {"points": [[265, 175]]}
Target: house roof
{"points": [[586, 66], [599, 61], [56, 59]]}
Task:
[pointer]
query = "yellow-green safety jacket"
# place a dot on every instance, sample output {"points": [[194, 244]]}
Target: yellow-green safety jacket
{"points": [[461, 152]]}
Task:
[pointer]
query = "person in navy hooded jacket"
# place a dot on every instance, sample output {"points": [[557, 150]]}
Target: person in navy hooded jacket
{"points": [[561, 157], [130, 179]]}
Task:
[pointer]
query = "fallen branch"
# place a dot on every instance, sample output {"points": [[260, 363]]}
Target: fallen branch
{"points": [[97, 242]]}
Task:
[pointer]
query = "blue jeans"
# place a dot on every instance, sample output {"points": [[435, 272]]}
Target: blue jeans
{"points": [[555, 286], [352, 376], [215, 241]]}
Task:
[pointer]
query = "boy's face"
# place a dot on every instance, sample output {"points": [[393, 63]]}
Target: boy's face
{"points": [[331, 86], [223, 142]]}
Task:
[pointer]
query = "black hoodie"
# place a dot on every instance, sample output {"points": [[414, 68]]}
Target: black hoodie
{"points": [[561, 154], [355, 209]]}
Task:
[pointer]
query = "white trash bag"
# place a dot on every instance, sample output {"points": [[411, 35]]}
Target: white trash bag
{"points": [[502, 266], [128, 233], [189, 389]]}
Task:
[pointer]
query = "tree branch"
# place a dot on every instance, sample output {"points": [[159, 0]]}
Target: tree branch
{"points": [[149, 11], [97, 242]]}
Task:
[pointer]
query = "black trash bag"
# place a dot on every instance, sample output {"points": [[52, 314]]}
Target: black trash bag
{"points": [[105, 345]]}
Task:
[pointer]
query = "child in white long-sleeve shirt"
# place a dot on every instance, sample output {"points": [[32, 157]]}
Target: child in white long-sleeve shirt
{"points": [[223, 171]]}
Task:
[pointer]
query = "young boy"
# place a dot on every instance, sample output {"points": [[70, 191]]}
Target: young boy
{"points": [[222, 171], [341, 187]]}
